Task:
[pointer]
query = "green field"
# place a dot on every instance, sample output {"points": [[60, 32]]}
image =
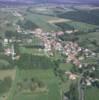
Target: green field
{"points": [[84, 27], [66, 66], [33, 62], [33, 51], [89, 38], [93, 36], [41, 21], [46, 76], [92, 94], [7, 17], [36, 41]]}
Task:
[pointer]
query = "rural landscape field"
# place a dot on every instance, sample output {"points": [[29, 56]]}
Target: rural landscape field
{"points": [[49, 51]]}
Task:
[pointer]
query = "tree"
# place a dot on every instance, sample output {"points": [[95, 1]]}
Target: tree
{"points": [[73, 93], [1, 47], [5, 84], [28, 25]]}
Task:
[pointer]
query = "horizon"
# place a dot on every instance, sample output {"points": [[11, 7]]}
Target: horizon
{"points": [[53, 1]]}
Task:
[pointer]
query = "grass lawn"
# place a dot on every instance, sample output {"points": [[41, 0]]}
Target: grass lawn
{"points": [[47, 77], [92, 94]]}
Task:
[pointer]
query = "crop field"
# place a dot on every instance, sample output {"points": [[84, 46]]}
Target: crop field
{"points": [[49, 10], [27, 70], [42, 10], [47, 76], [48, 22], [91, 36], [66, 66], [94, 36], [36, 41], [6, 21], [58, 20], [84, 27], [41, 21], [7, 73], [92, 94], [90, 17], [33, 51]]}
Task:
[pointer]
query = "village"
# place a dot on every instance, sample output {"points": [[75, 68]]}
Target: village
{"points": [[73, 52], [49, 54]]}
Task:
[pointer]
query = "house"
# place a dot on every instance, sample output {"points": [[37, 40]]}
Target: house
{"points": [[38, 31], [71, 75], [81, 58], [80, 66], [88, 82], [8, 51], [69, 31], [6, 41], [76, 30], [19, 29], [58, 46], [60, 33]]}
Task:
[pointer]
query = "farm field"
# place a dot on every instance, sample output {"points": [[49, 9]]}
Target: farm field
{"points": [[33, 51], [92, 94], [78, 25], [93, 36], [66, 66], [82, 26], [90, 17], [29, 49], [41, 21], [4, 74], [58, 20], [9, 73], [6, 21], [44, 53], [47, 76]]}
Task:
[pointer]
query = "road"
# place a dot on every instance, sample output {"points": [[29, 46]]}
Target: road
{"points": [[80, 90]]}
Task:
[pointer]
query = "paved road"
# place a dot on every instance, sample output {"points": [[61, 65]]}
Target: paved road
{"points": [[80, 90]]}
